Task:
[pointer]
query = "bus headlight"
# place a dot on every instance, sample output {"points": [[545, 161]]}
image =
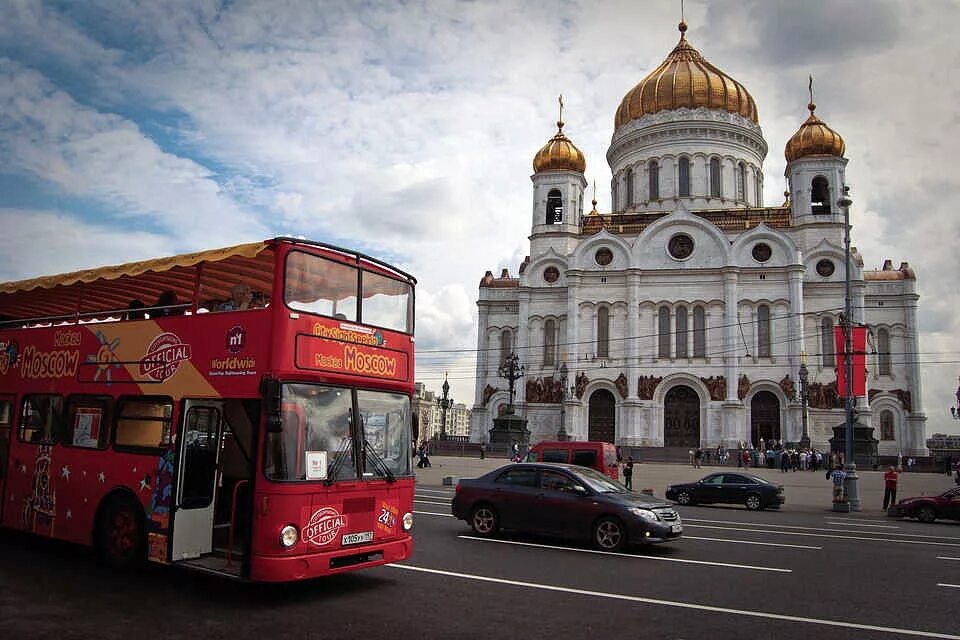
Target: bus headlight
{"points": [[289, 536], [407, 521]]}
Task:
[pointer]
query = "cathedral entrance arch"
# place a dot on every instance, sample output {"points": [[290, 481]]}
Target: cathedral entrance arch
{"points": [[601, 421], [681, 418], [764, 418]]}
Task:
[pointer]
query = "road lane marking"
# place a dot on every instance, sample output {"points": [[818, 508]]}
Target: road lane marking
{"points": [[822, 535], [788, 526], [946, 558], [442, 493], [851, 523], [431, 513], [952, 586], [628, 555], [442, 504], [677, 604], [765, 544]]}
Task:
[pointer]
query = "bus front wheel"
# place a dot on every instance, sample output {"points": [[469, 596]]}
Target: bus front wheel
{"points": [[120, 535]]}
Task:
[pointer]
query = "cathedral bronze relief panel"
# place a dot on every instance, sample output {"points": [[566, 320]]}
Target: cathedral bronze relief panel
{"points": [[680, 246], [646, 386], [681, 418], [601, 423], [603, 256], [544, 390], [825, 268], [717, 386], [762, 252]]}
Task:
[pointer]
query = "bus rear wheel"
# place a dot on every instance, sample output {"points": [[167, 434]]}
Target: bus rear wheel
{"points": [[120, 536]]}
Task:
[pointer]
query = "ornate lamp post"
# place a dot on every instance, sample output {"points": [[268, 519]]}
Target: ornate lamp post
{"points": [[562, 434], [804, 377], [511, 370], [851, 482], [444, 403]]}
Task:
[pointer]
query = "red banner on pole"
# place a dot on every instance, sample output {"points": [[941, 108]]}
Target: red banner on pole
{"points": [[859, 361]]}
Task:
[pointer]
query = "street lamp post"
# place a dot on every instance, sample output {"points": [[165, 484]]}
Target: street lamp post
{"points": [[562, 434], [804, 377], [444, 403], [851, 481], [511, 370]]}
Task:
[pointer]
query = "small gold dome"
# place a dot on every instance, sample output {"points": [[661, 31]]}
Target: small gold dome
{"points": [[559, 154], [685, 79], [814, 138]]}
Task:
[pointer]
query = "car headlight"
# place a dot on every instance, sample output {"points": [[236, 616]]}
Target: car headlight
{"points": [[407, 521], [646, 514], [289, 536]]}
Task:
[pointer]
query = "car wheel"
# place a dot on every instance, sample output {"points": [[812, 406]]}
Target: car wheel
{"points": [[484, 520], [609, 534], [753, 502], [685, 498], [927, 514], [120, 534]]}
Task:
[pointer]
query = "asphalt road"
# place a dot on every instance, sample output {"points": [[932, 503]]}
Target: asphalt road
{"points": [[799, 572]]}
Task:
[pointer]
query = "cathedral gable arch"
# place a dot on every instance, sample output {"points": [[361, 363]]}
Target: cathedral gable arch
{"points": [[586, 255], [783, 249], [711, 247]]}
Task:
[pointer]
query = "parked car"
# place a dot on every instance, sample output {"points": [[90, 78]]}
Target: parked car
{"points": [[747, 489], [929, 508], [601, 456], [565, 501]]}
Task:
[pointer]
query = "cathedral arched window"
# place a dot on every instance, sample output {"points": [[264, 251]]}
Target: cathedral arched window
{"points": [[549, 342], [715, 177], [742, 182], [763, 331], [663, 325], [820, 196], [603, 332], [683, 175], [614, 195], [758, 186], [699, 332], [506, 345], [654, 174], [682, 332], [554, 207], [886, 425], [883, 352], [628, 178], [826, 343]]}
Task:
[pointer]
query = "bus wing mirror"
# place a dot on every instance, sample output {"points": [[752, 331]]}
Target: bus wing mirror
{"points": [[270, 388]]}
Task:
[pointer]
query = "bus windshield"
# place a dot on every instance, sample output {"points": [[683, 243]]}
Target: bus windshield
{"points": [[319, 439], [326, 287]]}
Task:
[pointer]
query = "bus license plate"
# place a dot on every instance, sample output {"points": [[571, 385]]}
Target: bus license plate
{"points": [[676, 528], [356, 538]]}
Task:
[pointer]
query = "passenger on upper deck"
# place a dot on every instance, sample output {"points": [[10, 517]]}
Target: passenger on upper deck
{"points": [[241, 297]]}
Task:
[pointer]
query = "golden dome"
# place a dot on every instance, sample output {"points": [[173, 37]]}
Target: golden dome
{"points": [[559, 154], [685, 79], [814, 138]]}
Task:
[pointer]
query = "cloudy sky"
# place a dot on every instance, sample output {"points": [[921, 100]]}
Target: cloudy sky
{"points": [[406, 129]]}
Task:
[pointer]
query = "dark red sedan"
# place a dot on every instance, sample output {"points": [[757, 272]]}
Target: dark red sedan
{"points": [[566, 501], [929, 508]]}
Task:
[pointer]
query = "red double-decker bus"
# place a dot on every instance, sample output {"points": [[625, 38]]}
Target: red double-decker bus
{"points": [[243, 411]]}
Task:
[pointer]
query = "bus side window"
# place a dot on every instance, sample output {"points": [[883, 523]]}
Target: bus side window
{"points": [[41, 418]]}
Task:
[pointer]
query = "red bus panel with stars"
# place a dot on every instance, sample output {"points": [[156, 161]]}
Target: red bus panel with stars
{"points": [[243, 411]]}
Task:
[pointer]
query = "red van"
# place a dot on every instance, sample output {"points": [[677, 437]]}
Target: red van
{"points": [[601, 456]]}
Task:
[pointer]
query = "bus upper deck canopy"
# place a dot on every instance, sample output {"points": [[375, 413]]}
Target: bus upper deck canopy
{"points": [[194, 279]]}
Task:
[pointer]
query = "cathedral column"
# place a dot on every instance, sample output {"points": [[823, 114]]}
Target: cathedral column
{"points": [[795, 324], [731, 329], [523, 325], [483, 355], [633, 334], [573, 327]]}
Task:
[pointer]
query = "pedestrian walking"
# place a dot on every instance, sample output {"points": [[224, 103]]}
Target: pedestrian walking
{"points": [[890, 479], [628, 473], [483, 450], [697, 455]]}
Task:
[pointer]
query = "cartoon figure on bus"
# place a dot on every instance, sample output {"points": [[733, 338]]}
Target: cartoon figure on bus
{"points": [[40, 507], [158, 512]]}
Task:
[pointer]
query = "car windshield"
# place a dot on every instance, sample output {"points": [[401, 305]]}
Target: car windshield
{"points": [[598, 482]]}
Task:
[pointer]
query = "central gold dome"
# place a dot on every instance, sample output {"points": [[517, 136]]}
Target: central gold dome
{"points": [[685, 79]]}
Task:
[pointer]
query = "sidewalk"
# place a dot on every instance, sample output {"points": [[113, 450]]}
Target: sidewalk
{"points": [[805, 490]]}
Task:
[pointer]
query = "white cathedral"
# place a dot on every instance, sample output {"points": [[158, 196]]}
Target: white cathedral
{"points": [[682, 317]]}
